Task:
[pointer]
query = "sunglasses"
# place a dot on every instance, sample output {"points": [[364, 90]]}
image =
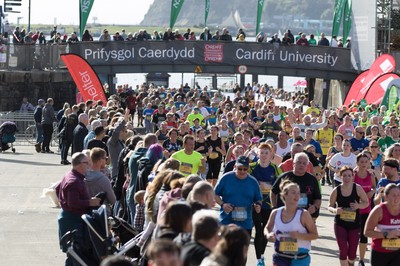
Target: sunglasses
{"points": [[374, 146], [242, 168]]}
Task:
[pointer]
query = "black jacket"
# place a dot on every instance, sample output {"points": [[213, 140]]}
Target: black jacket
{"points": [[79, 135]]}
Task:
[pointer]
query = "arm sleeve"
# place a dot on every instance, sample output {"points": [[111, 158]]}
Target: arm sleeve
{"points": [[115, 136]]}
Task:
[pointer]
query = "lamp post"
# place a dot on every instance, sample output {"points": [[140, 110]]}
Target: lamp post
{"points": [[29, 16]]}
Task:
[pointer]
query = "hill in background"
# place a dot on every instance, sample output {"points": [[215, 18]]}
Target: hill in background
{"points": [[309, 16]]}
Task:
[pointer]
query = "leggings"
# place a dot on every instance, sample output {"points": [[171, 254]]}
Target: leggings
{"points": [[214, 167], [260, 221], [363, 218], [385, 259], [347, 240]]}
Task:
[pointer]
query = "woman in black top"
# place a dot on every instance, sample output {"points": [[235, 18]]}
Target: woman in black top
{"points": [[345, 201], [214, 158]]}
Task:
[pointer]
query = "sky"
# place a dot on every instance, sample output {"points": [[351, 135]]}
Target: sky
{"points": [[128, 12]]}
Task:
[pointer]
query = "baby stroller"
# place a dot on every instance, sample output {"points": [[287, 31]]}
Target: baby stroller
{"points": [[7, 135], [101, 238]]}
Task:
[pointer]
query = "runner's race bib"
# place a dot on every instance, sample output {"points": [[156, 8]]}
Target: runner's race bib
{"points": [[214, 155], [303, 201], [391, 244], [186, 168], [348, 215], [288, 245], [239, 214], [148, 117], [265, 187]]}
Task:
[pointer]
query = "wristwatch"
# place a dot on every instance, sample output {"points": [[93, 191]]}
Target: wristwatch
{"points": [[385, 234]]}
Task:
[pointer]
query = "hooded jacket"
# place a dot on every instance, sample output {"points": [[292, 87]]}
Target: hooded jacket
{"points": [[97, 182]]}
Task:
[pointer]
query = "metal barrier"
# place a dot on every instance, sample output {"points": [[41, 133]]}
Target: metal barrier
{"points": [[26, 129], [23, 120]]}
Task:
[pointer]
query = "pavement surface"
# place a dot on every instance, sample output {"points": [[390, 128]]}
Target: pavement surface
{"points": [[28, 231]]}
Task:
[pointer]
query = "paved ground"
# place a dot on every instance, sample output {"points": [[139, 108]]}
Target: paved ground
{"points": [[28, 231]]}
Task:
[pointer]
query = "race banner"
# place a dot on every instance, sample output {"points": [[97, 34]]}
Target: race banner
{"points": [[378, 88], [176, 6], [337, 16], [260, 6], [213, 53], [84, 77], [347, 20], [206, 10], [84, 10], [382, 65]]}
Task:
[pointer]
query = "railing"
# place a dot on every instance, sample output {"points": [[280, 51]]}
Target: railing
{"points": [[26, 129], [29, 57], [231, 54]]}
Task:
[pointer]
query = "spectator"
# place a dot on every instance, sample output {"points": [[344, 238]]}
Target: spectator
{"points": [[303, 40], [74, 200], [80, 133], [105, 36], [275, 39], [323, 41], [26, 105], [163, 252], [95, 179], [216, 36], [187, 34], [48, 118], [73, 38], [231, 250], [312, 41], [37, 114], [169, 35], [87, 37], [205, 226], [240, 31], [206, 35]]}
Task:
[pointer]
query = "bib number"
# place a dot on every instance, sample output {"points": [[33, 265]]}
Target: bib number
{"points": [[214, 155], [348, 215], [265, 187], [239, 214], [303, 201], [391, 244], [186, 168], [288, 245]]}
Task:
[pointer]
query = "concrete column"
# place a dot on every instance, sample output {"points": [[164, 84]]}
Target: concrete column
{"points": [[110, 81], [214, 82], [255, 78], [326, 86], [280, 82], [311, 88], [242, 82]]}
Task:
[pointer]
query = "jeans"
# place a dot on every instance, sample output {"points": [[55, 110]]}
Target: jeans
{"points": [[65, 144], [47, 133], [39, 131], [131, 206]]}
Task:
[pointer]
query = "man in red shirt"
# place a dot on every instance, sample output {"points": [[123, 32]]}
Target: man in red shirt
{"points": [[74, 199]]}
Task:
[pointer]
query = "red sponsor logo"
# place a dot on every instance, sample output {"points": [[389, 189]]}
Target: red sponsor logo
{"points": [[213, 52]]}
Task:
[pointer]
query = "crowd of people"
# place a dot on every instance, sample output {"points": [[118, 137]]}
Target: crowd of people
{"points": [[21, 36], [260, 164]]}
